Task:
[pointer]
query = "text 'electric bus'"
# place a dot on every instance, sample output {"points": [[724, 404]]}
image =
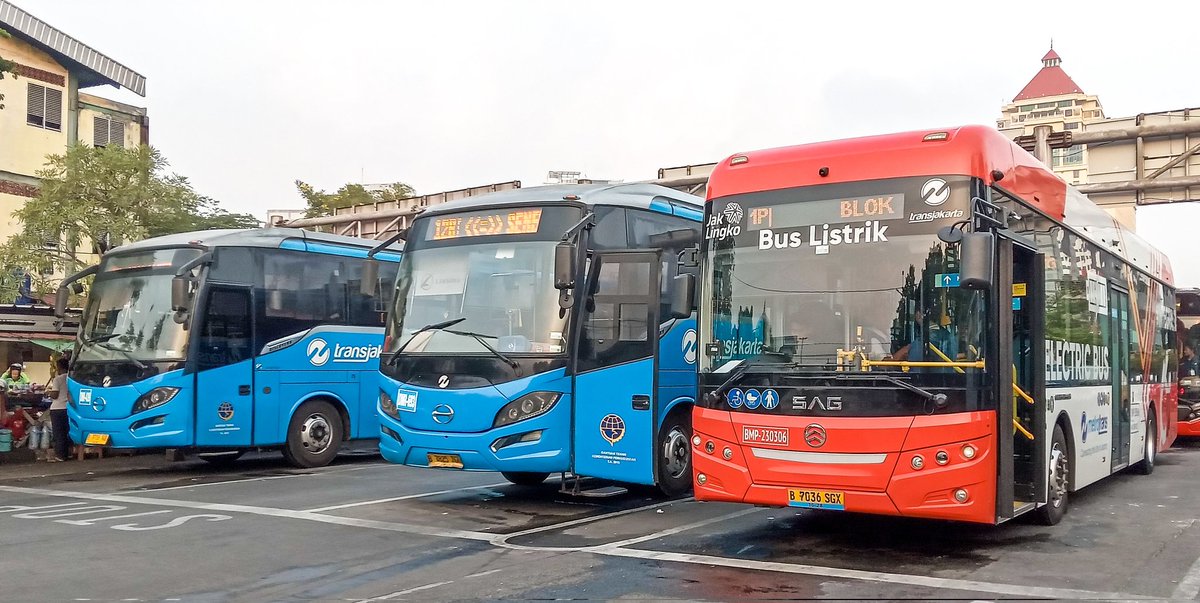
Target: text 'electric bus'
{"points": [[529, 335], [925, 324], [226, 340]]}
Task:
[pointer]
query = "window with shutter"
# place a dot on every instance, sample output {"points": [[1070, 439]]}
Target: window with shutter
{"points": [[36, 102], [44, 107], [116, 133], [99, 131]]}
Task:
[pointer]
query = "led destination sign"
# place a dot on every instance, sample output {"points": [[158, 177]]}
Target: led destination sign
{"points": [[828, 211], [486, 223]]}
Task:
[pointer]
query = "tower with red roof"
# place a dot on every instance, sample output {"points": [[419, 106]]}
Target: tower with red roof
{"points": [[1052, 98]]}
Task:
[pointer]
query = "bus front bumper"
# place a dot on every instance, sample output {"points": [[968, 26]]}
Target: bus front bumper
{"points": [[537, 445], [150, 429]]}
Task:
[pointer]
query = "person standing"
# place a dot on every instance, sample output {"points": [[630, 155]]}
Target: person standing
{"points": [[57, 390]]}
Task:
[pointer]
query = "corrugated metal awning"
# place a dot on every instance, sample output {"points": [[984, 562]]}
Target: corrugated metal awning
{"points": [[92, 67]]}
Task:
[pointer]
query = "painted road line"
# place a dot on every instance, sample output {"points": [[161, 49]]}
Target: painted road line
{"points": [[380, 501], [672, 531], [1189, 586], [1016, 590], [502, 539], [263, 511], [222, 483], [401, 593]]}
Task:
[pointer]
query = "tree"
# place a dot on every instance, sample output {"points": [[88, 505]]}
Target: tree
{"points": [[95, 198], [6, 66], [321, 203]]}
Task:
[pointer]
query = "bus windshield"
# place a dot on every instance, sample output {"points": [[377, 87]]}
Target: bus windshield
{"points": [[129, 314], [505, 291], [803, 275]]}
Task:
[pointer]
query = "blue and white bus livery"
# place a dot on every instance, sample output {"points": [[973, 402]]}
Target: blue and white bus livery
{"points": [[491, 363], [228, 340]]}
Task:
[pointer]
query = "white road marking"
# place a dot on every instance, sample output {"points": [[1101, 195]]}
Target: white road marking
{"points": [[676, 530], [224, 483], [400, 593], [406, 497], [263, 511], [1189, 586], [849, 574], [92, 522], [487, 573], [1191, 581]]}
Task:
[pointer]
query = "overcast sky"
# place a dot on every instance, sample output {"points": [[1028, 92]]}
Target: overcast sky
{"points": [[246, 97]]}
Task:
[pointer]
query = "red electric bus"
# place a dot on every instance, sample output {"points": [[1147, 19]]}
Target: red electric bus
{"points": [[1187, 306], [927, 324]]}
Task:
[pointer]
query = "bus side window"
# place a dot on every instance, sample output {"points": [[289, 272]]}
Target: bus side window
{"points": [[618, 328], [609, 231], [645, 224], [226, 337]]}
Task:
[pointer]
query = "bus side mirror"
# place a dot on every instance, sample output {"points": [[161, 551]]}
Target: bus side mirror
{"points": [[179, 293], [61, 297], [370, 277], [683, 296], [564, 266], [977, 256]]}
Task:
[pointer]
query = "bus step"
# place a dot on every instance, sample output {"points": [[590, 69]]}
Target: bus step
{"points": [[574, 485]]}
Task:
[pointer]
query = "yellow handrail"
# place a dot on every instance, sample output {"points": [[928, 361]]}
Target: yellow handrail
{"points": [[944, 357], [906, 364], [1017, 426]]}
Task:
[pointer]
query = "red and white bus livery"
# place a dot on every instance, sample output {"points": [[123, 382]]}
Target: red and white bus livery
{"points": [[925, 324]]}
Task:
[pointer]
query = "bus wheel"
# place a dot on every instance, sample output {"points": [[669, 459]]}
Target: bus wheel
{"points": [[1059, 471], [1146, 466], [675, 454], [525, 478], [221, 459], [314, 435]]}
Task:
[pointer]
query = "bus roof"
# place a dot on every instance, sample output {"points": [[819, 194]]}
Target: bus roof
{"points": [[248, 237], [638, 195], [978, 151]]}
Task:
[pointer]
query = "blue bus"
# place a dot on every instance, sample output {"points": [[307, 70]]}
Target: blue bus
{"points": [[531, 334], [227, 340]]}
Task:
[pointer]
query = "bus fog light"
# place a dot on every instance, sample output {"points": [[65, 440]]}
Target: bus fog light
{"points": [[696, 441], [710, 447], [701, 479], [918, 462], [960, 495], [727, 453], [968, 451], [942, 457]]}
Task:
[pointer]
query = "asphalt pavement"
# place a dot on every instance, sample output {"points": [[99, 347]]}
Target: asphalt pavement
{"points": [[144, 529]]}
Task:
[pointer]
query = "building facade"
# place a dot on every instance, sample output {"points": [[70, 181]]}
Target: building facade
{"points": [[1053, 99], [44, 111]]}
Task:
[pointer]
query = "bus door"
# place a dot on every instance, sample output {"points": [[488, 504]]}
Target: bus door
{"points": [[1119, 369], [615, 410], [225, 368], [1021, 392]]}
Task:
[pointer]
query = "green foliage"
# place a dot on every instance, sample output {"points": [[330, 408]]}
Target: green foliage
{"points": [[321, 203], [6, 66], [95, 198]]}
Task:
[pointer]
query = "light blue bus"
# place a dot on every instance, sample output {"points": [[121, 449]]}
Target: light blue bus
{"points": [[227, 340], [532, 334]]}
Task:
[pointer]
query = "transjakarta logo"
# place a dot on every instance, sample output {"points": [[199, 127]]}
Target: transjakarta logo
{"points": [[319, 352], [1099, 426], [870, 232], [726, 224], [920, 217]]}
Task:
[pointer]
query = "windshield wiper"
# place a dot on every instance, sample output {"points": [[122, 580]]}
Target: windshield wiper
{"points": [[437, 326], [102, 342], [939, 399], [479, 337]]}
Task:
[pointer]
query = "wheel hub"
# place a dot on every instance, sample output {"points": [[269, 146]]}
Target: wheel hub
{"points": [[676, 453], [315, 434], [1058, 475]]}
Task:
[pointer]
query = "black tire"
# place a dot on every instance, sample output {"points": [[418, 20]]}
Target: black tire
{"points": [[1146, 465], [1058, 474], [314, 436], [525, 478], [673, 452], [221, 459]]}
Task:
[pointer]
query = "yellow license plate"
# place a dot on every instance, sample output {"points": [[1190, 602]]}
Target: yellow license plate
{"points": [[452, 461], [817, 499], [96, 439]]}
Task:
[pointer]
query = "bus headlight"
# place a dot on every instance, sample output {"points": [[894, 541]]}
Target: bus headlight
{"points": [[526, 407], [388, 405], [154, 398]]}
